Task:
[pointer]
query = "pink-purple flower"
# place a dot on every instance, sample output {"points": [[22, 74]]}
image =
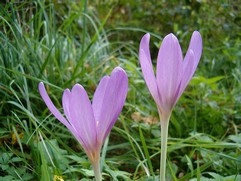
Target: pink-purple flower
{"points": [[173, 73], [90, 123]]}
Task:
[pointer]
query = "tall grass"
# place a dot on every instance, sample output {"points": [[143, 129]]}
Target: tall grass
{"points": [[66, 44]]}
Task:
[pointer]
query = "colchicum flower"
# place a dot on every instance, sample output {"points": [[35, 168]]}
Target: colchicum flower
{"points": [[172, 77], [91, 123]]}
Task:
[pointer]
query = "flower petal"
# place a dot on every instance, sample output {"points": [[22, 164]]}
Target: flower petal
{"points": [[82, 117], [67, 111], [66, 102], [51, 106], [187, 71], [114, 91], [196, 46], [169, 70], [56, 113], [147, 68], [98, 98]]}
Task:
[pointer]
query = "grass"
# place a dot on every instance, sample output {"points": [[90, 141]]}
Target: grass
{"points": [[68, 43]]}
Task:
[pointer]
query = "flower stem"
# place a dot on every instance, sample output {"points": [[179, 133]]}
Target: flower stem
{"points": [[97, 172], [164, 135]]}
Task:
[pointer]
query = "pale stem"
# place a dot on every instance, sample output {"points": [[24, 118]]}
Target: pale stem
{"points": [[164, 136], [97, 172]]}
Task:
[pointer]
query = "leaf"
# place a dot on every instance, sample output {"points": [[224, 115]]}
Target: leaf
{"points": [[17, 159], [218, 177], [5, 157], [45, 169], [235, 138], [78, 159], [202, 179], [7, 178]]}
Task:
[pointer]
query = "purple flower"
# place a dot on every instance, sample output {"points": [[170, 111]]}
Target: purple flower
{"points": [[91, 123], [172, 72], [172, 76]]}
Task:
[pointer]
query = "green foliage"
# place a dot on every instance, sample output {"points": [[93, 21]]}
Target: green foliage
{"points": [[66, 42]]}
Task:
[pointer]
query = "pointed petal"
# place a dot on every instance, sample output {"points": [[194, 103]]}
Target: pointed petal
{"points": [[112, 100], [54, 110], [196, 46], [82, 117], [51, 106], [98, 98], [169, 70], [66, 102], [66, 106], [147, 68], [187, 71]]}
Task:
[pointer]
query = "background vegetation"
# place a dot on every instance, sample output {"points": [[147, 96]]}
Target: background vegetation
{"points": [[66, 42]]}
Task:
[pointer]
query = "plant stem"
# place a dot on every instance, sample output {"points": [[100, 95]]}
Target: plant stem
{"points": [[97, 172], [164, 135]]}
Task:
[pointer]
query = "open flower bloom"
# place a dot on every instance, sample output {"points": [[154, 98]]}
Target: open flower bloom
{"points": [[172, 72], [91, 123]]}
